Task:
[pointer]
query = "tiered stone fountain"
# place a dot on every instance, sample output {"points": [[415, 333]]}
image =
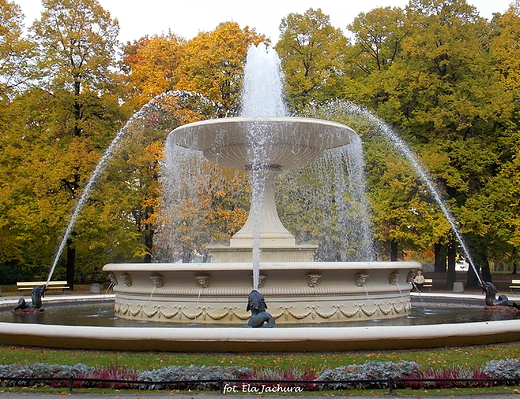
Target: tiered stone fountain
{"points": [[297, 290]]}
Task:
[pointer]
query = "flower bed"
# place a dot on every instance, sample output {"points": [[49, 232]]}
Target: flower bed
{"points": [[371, 374]]}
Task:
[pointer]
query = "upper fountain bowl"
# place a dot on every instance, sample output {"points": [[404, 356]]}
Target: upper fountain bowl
{"points": [[277, 142]]}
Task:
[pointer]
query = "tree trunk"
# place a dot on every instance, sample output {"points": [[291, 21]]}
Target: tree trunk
{"points": [[440, 258], [148, 242], [485, 269], [71, 264], [482, 267], [393, 251], [472, 278], [452, 275], [515, 264]]}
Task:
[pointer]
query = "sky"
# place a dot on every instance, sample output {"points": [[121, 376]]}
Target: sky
{"points": [[186, 18]]}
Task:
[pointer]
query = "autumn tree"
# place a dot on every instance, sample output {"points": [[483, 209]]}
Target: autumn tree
{"points": [[441, 94], [377, 43], [77, 42], [312, 53], [21, 251], [194, 80], [150, 67], [16, 52], [401, 208], [378, 35], [213, 65], [493, 212], [460, 100], [210, 205]]}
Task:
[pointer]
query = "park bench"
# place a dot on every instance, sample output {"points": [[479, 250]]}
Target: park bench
{"points": [[27, 286], [428, 283], [515, 284]]}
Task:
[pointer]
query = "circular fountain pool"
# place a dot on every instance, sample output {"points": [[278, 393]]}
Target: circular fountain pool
{"points": [[463, 321], [435, 321], [426, 310]]}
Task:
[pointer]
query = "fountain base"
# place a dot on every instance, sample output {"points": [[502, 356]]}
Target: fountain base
{"points": [[296, 292]]}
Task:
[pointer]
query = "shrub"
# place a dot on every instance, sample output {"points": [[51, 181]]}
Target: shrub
{"points": [[41, 370], [109, 373], [177, 373], [447, 378], [366, 372], [369, 375], [503, 369], [293, 374]]}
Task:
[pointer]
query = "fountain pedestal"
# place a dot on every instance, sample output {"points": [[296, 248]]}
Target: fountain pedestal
{"points": [[285, 143], [277, 244]]}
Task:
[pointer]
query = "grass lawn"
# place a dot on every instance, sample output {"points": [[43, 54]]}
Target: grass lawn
{"points": [[474, 357], [465, 357]]}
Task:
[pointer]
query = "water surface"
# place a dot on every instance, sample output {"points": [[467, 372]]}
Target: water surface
{"points": [[425, 311]]}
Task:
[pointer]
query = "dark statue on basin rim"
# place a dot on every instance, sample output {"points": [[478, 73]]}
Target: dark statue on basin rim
{"points": [[492, 300], [256, 304], [36, 301]]}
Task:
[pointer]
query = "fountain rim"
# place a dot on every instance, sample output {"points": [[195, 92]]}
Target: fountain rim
{"points": [[146, 267], [183, 138], [278, 339]]}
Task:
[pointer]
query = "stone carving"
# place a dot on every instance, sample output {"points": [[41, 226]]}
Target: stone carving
{"points": [[393, 278], [409, 277], [158, 280], [127, 279], [336, 312], [203, 280], [361, 278], [313, 279], [262, 278], [113, 278]]}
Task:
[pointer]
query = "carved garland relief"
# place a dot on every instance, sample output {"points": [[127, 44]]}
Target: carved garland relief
{"points": [[313, 312]]}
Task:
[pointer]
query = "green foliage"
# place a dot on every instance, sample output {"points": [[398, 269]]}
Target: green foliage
{"points": [[438, 82], [77, 40], [16, 51], [378, 37], [312, 53], [57, 132]]}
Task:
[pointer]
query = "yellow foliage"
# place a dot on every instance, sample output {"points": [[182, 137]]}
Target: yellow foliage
{"points": [[213, 62]]}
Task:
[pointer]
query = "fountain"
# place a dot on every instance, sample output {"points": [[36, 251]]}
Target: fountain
{"points": [[303, 295], [263, 255]]}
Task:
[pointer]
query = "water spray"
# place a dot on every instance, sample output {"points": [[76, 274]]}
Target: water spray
{"points": [[99, 169], [407, 152]]}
